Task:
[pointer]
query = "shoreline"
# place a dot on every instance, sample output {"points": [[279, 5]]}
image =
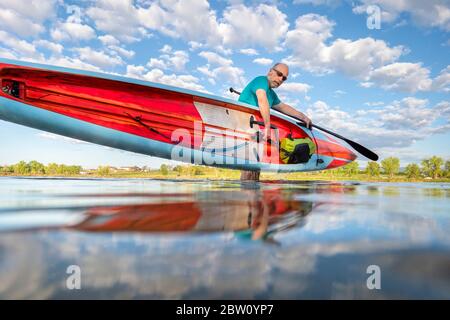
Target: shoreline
{"points": [[265, 177]]}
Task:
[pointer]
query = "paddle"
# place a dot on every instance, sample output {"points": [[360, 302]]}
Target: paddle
{"points": [[361, 149]]}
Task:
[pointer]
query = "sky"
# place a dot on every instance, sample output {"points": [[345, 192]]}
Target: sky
{"points": [[376, 72]]}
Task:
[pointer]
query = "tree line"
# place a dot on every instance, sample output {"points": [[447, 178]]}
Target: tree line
{"points": [[37, 168], [433, 167]]}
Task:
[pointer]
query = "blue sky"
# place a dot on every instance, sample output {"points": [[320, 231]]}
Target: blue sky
{"points": [[386, 88]]}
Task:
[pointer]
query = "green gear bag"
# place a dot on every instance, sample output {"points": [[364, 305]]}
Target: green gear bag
{"points": [[296, 150]]}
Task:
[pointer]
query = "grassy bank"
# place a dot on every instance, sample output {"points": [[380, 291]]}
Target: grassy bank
{"points": [[223, 174], [432, 170]]}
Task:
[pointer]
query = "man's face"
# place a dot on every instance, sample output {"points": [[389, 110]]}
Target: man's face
{"points": [[277, 75]]}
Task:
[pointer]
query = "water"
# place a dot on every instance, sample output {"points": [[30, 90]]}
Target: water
{"points": [[156, 239]]}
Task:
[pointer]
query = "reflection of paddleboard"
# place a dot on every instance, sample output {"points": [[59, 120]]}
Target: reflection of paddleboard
{"points": [[240, 211], [152, 119], [153, 217]]}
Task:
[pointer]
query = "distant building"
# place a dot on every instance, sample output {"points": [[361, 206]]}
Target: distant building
{"points": [[135, 168]]}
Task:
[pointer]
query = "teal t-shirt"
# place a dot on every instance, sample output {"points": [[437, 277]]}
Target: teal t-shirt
{"points": [[248, 95]]}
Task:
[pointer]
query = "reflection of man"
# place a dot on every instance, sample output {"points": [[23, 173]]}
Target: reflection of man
{"points": [[259, 92]]}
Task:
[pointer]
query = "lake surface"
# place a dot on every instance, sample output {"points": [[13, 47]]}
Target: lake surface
{"points": [[163, 239]]}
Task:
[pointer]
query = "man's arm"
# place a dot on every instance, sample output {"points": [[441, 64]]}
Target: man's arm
{"points": [[264, 108], [263, 104], [290, 111]]}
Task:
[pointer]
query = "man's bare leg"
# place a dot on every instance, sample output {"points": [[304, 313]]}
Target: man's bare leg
{"points": [[250, 175]]}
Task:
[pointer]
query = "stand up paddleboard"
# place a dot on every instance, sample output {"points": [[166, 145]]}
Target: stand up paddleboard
{"points": [[155, 119]]}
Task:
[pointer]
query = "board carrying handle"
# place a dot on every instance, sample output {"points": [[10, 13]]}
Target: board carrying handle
{"points": [[261, 123]]}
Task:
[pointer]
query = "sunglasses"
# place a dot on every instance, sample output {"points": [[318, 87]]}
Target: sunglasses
{"points": [[280, 74]]}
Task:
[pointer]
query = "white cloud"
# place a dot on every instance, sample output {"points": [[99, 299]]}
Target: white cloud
{"points": [[366, 84], [117, 18], [223, 50], [135, 71], [157, 75], [431, 13], [166, 49], [21, 48], [72, 31], [295, 87], [98, 58], [232, 75], [442, 81], [205, 70], [188, 19], [194, 45], [338, 93], [122, 52], [405, 77], [354, 58], [170, 59], [109, 40], [156, 63], [263, 25], [72, 63], [178, 59], [8, 54], [249, 52], [73, 28], [214, 58], [56, 48], [263, 61], [36, 9], [194, 21], [374, 104], [369, 60], [11, 21], [397, 125], [318, 2], [408, 113], [357, 58], [224, 71], [26, 18]]}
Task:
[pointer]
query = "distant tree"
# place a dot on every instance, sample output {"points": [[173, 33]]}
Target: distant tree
{"points": [[73, 170], [103, 170], [51, 169], [432, 167], [447, 168], [412, 171], [164, 169], [351, 169], [36, 167], [373, 169], [8, 169], [21, 168], [178, 169], [390, 166]]}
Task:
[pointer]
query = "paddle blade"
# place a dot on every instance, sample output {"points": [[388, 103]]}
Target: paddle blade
{"points": [[363, 150]]}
